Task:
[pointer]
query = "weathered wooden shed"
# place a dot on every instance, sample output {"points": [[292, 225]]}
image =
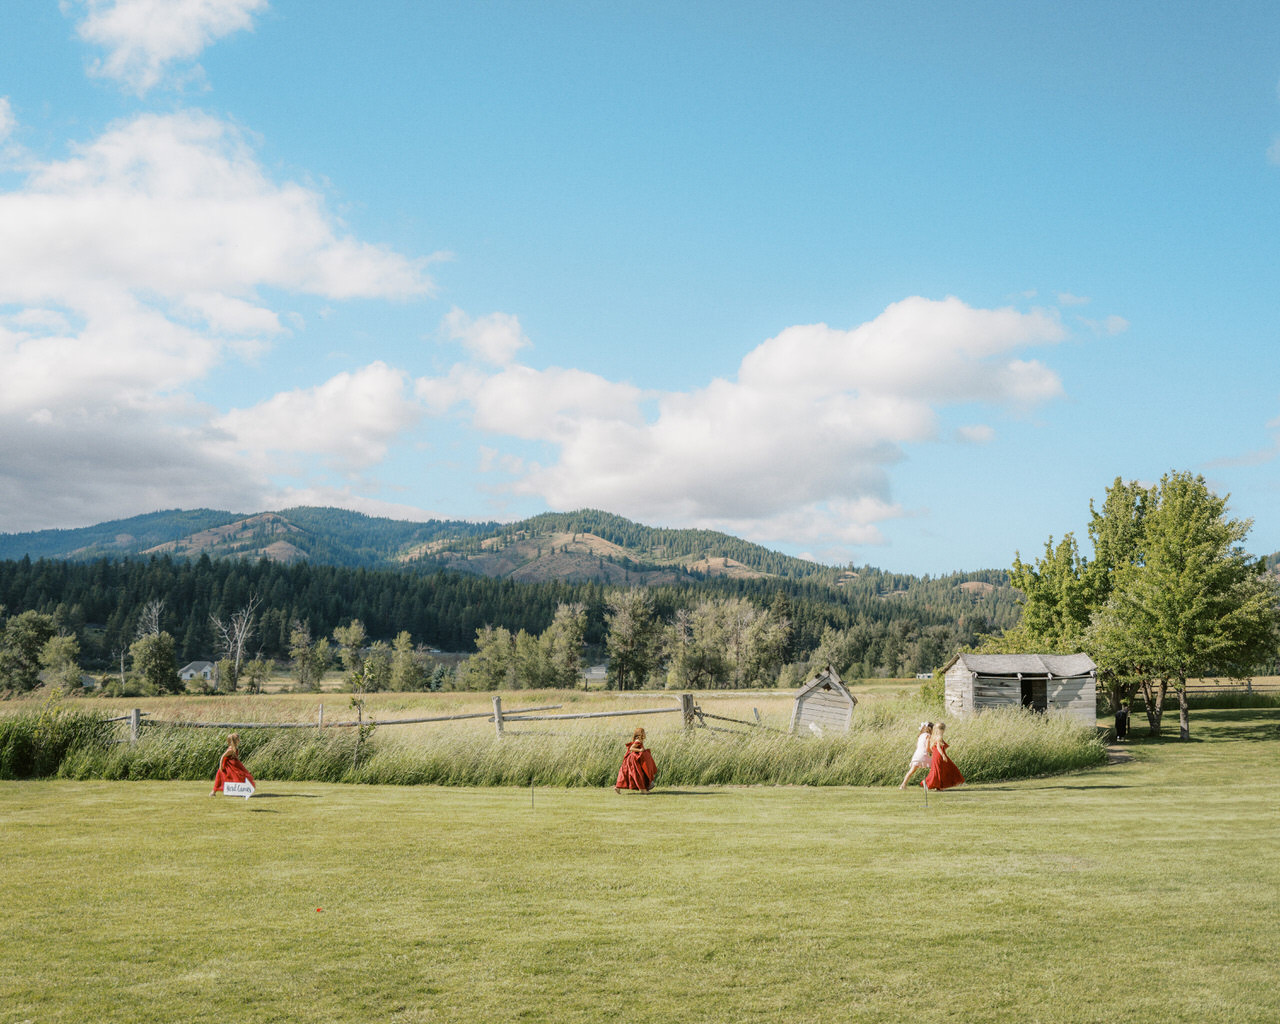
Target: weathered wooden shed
{"points": [[824, 704], [1041, 682]]}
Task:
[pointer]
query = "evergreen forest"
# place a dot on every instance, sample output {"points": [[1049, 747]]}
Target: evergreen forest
{"points": [[887, 623]]}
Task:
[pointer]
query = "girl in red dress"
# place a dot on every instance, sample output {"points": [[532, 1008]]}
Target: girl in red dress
{"points": [[943, 773], [638, 769], [230, 768]]}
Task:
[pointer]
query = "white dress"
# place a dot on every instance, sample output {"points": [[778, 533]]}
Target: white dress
{"points": [[922, 756]]}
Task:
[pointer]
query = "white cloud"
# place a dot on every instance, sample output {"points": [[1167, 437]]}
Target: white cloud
{"points": [[494, 339], [177, 205], [551, 404], [130, 271], [1112, 325], [349, 420], [799, 445], [70, 466], [139, 261], [7, 121], [144, 39], [976, 433]]}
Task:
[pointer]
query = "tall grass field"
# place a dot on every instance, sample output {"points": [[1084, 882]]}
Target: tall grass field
{"points": [[74, 742], [1135, 892]]}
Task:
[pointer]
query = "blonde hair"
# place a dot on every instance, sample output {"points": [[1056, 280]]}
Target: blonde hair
{"points": [[938, 729], [233, 741], [638, 734]]}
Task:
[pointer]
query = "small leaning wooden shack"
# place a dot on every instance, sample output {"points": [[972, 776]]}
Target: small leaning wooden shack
{"points": [[1041, 682], [824, 704]]}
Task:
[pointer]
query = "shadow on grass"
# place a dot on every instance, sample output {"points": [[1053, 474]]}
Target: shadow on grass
{"points": [[1212, 724], [678, 792], [285, 796], [985, 788]]}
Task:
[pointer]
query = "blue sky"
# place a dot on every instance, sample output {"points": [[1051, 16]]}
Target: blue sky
{"points": [[903, 284]]}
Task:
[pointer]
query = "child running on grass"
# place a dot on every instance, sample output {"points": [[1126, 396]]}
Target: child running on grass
{"points": [[230, 767], [638, 768], [920, 759], [943, 773]]}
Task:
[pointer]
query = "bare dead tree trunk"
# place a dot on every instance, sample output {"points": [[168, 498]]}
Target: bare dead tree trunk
{"points": [[234, 636], [149, 620]]}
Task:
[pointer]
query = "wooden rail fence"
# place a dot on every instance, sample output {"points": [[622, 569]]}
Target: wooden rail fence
{"points": [[692, 716], [1212, 689]]}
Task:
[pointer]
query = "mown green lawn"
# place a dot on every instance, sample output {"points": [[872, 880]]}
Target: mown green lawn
{"points": [[1145, 891]]}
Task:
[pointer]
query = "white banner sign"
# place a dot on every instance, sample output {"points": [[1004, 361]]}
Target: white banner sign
{"points": [[244, 789]]}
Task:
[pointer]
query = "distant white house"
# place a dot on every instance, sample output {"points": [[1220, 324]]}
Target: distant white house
{"points": [[196, 670], [595, 673]]}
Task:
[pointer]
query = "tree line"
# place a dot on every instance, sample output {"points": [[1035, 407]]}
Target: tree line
{"points": [[876, 623]]}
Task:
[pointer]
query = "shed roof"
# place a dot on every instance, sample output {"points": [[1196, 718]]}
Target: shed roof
{"points": [[830, 679], [1026, 664]]}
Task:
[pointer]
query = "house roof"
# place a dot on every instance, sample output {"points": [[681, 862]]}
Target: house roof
{"points": [[1026, 664], [196, 666]]}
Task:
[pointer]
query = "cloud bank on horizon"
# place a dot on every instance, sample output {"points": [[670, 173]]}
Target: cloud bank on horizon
{"points": [[162, 253]]}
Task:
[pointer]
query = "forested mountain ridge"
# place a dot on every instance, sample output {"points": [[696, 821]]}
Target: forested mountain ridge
{"points": [[590, 545], [117, 537], [583, 546], [327, 536], [443, 580]]}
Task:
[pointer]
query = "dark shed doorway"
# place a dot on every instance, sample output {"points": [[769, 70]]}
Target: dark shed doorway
{"points": [[1035, 695]]}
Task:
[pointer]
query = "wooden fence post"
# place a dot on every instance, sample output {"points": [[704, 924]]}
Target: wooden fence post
{"points": [[686, 710], [135, 724], [497, 716]]}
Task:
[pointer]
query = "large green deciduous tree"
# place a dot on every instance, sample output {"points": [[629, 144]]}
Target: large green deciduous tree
{"points": [[60, 659], [563, 641], [22, 640], [492, 667], [1191, 601], [633, 638], [154, 659], [310, 658], [1169, 594]]}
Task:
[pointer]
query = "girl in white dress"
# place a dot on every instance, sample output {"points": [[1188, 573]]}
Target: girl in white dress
{"points": [[922, 756]]}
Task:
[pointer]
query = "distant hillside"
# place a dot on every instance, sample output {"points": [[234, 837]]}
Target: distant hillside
{"points": [[118, 537], [327, 536], [592, 545], [584, 546]]}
